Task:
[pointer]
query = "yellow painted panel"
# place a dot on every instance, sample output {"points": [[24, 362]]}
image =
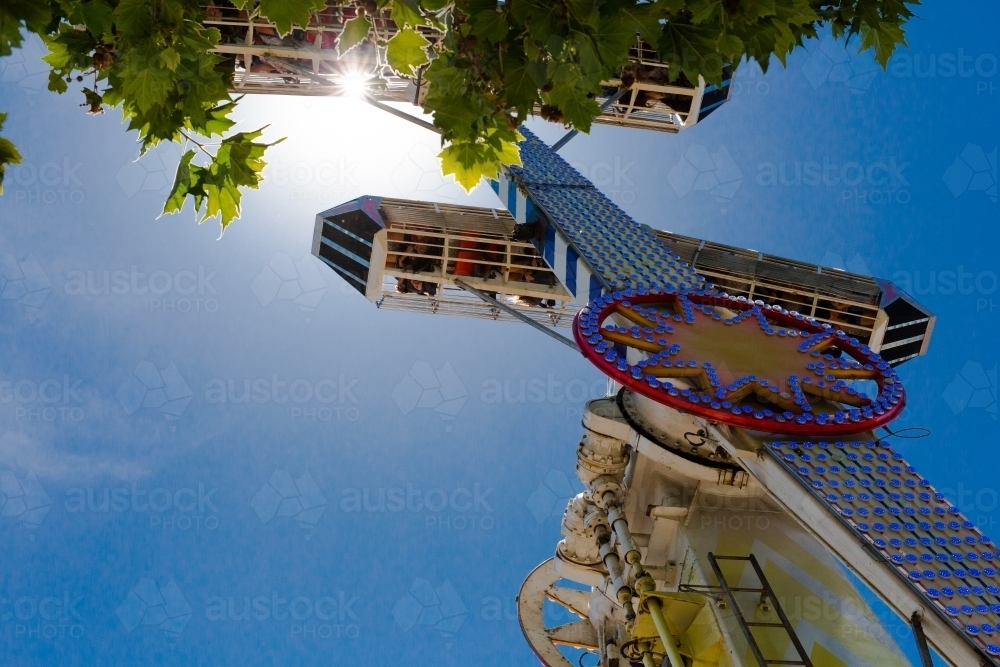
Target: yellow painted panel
{"points": [[822, 658], [801, 573]]}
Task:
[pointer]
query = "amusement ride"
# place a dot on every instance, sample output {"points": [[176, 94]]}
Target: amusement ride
{"points": [[738, 495]]}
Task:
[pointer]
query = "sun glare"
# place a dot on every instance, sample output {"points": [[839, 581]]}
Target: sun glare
{"points": [[354, 85]]}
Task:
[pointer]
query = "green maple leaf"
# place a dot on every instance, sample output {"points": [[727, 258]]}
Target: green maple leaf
{"points": [[491, 25], [148, 86], [729, 45], [407, 51], [467, 162], [170, 58], [217, 121], [521, 90], [97, 16], [691, 49], [883, 38], [8, 153], [616, 34], [898, 8], [237, 163], [133, 18], [223, 200], [243, 156], [69, 49], [704, 11], [185, 180], [470, 162], [641, 20], [34, 15], [406, 13], [578, 109], [57, 84], [286, 13], [762, 8], [355, 31]]}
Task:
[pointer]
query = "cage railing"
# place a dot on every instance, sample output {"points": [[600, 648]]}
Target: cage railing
{"points": [[267, 63]]}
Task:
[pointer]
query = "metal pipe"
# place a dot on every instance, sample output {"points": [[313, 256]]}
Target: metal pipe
{"points": [[602, 645], [667, 512], [918, 634], [514, 313], [669, 643], [616, 517], [399, 114], [604, 107], [365, 97], [609, 556]]}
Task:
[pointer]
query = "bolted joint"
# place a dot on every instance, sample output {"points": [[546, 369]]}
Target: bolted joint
{"points": [[616, 513], [644, 583], [596, 520], [605, 491]]}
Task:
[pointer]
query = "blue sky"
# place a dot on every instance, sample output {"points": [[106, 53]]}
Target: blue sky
{"points": [[120, 327]]}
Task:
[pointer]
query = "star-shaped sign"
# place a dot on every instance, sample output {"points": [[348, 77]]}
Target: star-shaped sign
{"points": [[738, 362]]}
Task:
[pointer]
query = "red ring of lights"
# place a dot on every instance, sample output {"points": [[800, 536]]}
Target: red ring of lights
{"points": [[781, 317]]}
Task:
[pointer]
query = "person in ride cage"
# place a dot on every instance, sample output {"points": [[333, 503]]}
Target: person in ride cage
{"points": [[539, 277]]}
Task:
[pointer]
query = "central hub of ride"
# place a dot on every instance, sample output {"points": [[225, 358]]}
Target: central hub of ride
{"points": [[739, 362]]}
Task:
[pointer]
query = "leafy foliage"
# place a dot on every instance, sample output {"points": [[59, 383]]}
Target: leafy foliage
{"points": [[152, 59], [8, 153], [488, 65], [283, 13], [496, 63], [16, 15], [216, 186]]}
